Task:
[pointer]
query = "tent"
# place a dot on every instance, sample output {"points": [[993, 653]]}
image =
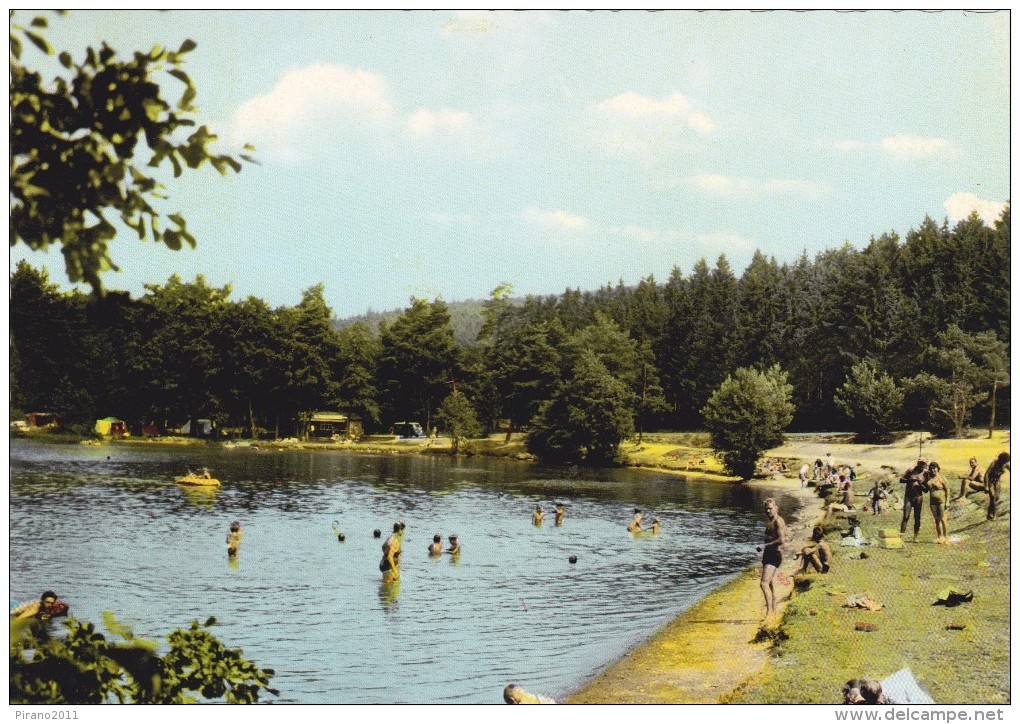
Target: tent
{"points": [[111, 427]]}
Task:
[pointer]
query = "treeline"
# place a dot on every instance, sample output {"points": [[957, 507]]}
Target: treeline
{"points": [[923, 320]]}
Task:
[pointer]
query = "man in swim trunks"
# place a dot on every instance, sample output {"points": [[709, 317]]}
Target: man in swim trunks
{"points": [[635, 523], [559, 514], [538, 516], [771, 554], [992, 481], [972, 476], [938, 495], [913, 495]]}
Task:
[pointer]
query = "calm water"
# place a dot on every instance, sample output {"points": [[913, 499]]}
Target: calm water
{"points": [[117, 534]]}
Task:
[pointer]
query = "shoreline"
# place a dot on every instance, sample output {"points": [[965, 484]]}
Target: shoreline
{"points": [[714, 647]]}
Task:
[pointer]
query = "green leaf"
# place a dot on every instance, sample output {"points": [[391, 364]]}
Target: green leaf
{"points": [[39, 42], [181, 76], [40, 22], [15, 47], [187, 98], [187, 46], [65, 59]]}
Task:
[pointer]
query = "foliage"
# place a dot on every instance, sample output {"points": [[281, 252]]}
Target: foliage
{"points": [[907, 308], [458, 415], [84, 667], [417, 358], [586, 419], [74, 143], [747, 414], [871, 400], [962, 369]]}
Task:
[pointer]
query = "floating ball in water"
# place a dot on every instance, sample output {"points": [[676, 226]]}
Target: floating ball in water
{"points": [[341, 537], [377, 533], [573, 559]]}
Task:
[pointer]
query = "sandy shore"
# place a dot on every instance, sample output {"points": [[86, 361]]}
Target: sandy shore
{"points": [[714, 647]]}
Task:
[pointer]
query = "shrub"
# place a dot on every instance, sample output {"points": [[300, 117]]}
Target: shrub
{"points": [[746, 415]]}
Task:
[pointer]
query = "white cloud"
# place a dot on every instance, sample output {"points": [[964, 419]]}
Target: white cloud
{"points": [[557, 221], [959, 205], [743, 187], [633, 106], [725, 242], [907, 147], [310, 102], [425, 123], [639, 234], [901, 148]]}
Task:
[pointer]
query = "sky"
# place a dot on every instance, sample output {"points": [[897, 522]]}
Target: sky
{"points": [[440, 154]]}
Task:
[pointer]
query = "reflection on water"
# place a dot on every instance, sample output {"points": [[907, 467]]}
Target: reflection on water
{"points": [[118, 534]]}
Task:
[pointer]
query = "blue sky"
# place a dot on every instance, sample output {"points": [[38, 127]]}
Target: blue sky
{"points": [[442, 153]]}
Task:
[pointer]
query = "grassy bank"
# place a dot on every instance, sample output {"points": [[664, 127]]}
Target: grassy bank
{"points": [[717, 651], [819, 648]]}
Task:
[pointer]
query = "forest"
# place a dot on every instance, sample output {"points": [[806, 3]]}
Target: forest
{"points": [[905, 334]]}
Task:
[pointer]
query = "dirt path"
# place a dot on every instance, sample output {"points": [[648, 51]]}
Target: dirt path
{"points": [[708, 651]]}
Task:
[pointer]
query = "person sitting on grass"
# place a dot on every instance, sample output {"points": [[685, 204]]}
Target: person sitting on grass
{"points": [[863, 691], [972, 479], [817, 553]]}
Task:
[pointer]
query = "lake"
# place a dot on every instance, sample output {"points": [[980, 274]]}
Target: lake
{"points": [[108, 529]]}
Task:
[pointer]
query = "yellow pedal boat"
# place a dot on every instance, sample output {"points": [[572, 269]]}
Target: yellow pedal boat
{"points": [[203, 478]]}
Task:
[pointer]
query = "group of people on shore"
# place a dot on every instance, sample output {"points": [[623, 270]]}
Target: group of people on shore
{"points": [[924, 477]]}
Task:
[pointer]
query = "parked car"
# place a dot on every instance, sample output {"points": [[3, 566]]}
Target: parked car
{"points": [[408, 429]]}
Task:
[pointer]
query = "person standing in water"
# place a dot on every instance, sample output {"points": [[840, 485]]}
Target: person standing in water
{"points": [[454, 549], [538, 516], [436, 548], [771, 555], [234, 539], [559, 514], [635, 522], [390, 563]]}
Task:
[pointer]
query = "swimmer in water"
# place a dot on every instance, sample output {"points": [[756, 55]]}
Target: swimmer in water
{"points": [[656, 526], [538, 516], [635, 523], [436, 548], [234, 539], [390, 563], [454, 549], [559, 514]]}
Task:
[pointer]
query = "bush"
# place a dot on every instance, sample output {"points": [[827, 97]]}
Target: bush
{"points": [[871, 400], [85, 668], [746, 415]]}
